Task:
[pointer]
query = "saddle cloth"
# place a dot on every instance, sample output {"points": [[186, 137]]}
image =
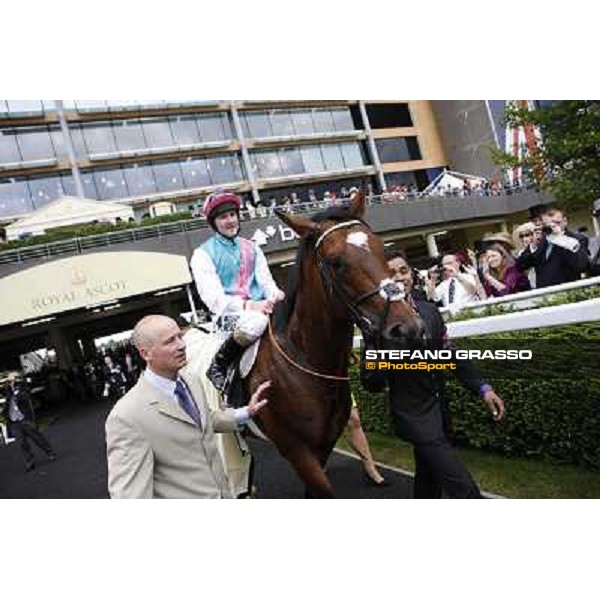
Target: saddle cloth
{"points": [[201, 348]]}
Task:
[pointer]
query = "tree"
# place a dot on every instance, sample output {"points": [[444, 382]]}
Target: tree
{"points": [[566, 161]]}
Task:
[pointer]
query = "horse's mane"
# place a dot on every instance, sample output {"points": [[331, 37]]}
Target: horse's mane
{"points": [[284, 310]]}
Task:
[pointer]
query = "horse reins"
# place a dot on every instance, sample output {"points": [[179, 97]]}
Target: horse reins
{"points": [[389, 291], [295, 364]]}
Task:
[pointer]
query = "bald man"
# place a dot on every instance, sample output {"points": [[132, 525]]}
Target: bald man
{"points": [[160, 436]]}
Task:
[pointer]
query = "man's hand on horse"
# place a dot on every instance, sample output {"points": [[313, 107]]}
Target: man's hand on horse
{"points": [[495, 404], [257, 402]]}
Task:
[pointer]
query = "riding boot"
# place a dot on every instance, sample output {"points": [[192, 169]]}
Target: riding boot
{"points": [[225, 356]]}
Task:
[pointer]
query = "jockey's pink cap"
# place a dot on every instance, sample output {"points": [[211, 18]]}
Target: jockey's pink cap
{"points": [[220, 202]]}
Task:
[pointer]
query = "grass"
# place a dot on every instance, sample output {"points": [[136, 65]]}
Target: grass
{"points": [[510, 477]]}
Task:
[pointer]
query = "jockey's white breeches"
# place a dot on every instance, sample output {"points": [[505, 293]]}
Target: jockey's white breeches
{"points": [[250, 325]]}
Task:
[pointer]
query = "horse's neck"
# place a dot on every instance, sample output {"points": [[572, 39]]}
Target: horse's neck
{"points": [[324, 340]]}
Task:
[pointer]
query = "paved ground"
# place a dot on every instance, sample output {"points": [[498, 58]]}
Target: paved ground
{"points": [[80, 471]]}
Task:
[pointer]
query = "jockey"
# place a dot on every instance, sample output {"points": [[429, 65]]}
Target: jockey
{"points": [[234, 281]]}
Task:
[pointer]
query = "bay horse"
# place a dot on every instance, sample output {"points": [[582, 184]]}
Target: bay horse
{"points": [[341, 278]]}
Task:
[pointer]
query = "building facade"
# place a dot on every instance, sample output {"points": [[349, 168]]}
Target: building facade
{"points": [[144, 152]]}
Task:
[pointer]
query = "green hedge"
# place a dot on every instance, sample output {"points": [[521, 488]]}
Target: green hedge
{"points": [[547, 417], [78, 231]]}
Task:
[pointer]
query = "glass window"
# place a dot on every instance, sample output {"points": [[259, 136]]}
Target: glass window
{"points": [[281, 123], [68, 184], [116, 105], [14, 197], [342, 119], [185, 130], [303, 122], [90, 105], [58, 141], [312, 159], [352, 154], [168, 176], [3, 107], [157, 133], [24, 107], [397, 149], [110, 184], [414, 151], [49, 105], [323, 120], [383, 116], [211, 128], [35, 143], [99, 138], [129, 135], [291, 161], [89, 185], [405, 178], [140, 180], [267, 164], [195, 172], [9, 149], [44, 190], [222, 169], [332, 156], [79, 146], [257, 125], [227, 126]]}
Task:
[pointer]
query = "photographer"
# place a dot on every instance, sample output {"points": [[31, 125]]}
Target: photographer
{"points": [[557, 254], [459, 285]]}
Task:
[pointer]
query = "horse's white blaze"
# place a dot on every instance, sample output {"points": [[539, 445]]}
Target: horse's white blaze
{"points": [[359, 239]]}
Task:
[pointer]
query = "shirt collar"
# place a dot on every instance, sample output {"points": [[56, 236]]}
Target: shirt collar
{"points": [[162, 383]]}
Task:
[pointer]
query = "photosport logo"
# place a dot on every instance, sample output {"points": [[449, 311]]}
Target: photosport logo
{"points": [[437, 360]]}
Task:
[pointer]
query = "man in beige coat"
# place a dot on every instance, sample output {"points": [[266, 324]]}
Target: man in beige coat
{"points": [[160, 437]]}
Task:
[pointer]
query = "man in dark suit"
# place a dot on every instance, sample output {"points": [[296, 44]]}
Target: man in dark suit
{"points": [[19, 415], [419, 407], [557, 254]]}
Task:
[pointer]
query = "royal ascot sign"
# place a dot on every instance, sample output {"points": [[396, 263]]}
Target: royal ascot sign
{"points": [[86, 280]]}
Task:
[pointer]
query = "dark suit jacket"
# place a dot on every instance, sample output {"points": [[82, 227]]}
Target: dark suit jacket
{"points": [[22, 397], [560, 266], [417, 398]]}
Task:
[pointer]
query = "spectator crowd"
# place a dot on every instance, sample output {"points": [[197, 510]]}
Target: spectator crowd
{"points": [[540, 253]]}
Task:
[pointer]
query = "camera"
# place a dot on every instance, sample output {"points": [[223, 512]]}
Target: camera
{"points": [[546, 230]]}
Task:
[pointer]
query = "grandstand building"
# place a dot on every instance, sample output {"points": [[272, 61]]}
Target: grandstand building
{"points": [[161, 157]]}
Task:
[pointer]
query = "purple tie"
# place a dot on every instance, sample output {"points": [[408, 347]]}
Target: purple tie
{"points": [[187, 403]]}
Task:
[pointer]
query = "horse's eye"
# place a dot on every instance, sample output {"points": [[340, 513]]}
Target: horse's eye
{"points": [[336, 264]]}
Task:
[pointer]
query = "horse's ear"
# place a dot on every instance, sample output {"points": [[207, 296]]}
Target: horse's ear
{"points": [[303, 227], [357, 208]]}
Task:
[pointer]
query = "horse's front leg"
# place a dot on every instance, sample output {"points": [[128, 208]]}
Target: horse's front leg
{"points": [[309, 469]]}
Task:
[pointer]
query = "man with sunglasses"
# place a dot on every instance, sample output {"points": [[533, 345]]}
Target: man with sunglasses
{"points": [[557, 254]]}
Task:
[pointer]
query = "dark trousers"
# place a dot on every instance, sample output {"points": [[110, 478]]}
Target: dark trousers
{"points": [[27, 430], [438, 470]]}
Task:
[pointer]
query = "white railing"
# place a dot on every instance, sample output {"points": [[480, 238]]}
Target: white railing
{"points": [[548, 316], [525, 299]]}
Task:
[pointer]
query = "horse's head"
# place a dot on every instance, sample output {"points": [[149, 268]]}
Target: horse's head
{"points": [[348, 259]]}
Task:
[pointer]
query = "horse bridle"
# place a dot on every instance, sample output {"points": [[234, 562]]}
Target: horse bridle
{"points": [[388, 289]]}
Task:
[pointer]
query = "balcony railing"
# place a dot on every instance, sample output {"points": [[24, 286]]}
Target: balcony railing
{"points": [[78, 245]]}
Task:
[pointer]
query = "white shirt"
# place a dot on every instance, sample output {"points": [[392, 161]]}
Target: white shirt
{"points": [[14, 413], [241, 415], [211, 290], [461, 295]]}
